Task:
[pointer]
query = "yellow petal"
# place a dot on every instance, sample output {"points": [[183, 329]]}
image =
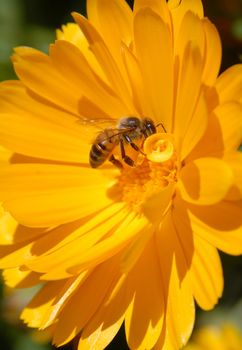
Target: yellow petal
{"points": [[135, 77], [69, 288], [229, 84], [152, 39], [17, 245], [158, 6], [17, 278], [35, 311], [180, 8], [62, 247], [180, 310], [51, 133], [43, 139], [59, 237], [173, 3], [14, 255], [100, 338], [196, 128], [158, 202], [230, 120], [204, 267], [5, 154], [16, 99], [144, 316], [106, 322], [190, 108], [214, 224], [24, 234], [41, 195], [117, 14], [135, 250], [113, 20], [223, 133], [206, 274], [205, 181], [38, 73], [191, 33], [118, 238], [63, 293], [235, 162], [71, 62], [87, 300], [213, 53], [7, 227], [71, 32], [105, 59]]}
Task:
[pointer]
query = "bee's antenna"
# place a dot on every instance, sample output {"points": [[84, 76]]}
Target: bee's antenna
{"points": [[162, 127]]}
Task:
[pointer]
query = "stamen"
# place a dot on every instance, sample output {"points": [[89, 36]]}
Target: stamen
{"points": [[159, 147], [152, 180]]}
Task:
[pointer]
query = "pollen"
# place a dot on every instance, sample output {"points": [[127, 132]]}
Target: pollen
{"points": [[151, 177]]}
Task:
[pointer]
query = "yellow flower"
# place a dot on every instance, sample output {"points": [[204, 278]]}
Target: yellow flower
{"points": [[222, 337], [137, 244], [7, 223]]}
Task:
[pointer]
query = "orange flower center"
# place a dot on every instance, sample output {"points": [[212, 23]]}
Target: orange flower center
{"points": [[149, 186]]}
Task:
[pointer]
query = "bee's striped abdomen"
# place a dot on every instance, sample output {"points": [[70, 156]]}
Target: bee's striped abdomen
{"points": [[101, 149]]}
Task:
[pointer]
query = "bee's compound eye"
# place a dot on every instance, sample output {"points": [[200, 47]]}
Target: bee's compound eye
{"points": [[150, 127]]}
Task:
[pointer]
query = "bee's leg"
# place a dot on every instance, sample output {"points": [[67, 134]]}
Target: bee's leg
{"points": [[115, 162], [133, 145], [125, 158]]}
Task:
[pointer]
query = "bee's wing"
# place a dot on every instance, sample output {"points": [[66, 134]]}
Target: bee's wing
{"points": [[92, 127], [98, 123]]}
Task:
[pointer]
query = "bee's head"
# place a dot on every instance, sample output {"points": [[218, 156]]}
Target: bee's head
{"points": [[149, 127]]}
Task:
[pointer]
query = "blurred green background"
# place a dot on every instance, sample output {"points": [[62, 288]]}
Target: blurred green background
{"points": [[33, 23]]}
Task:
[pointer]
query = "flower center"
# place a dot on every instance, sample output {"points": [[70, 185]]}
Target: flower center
{"points": [[149, 186]]}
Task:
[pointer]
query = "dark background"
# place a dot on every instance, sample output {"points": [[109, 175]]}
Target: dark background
{"points": [[33, 23]]}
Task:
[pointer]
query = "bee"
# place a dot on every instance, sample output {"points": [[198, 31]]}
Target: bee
{"points": [[129, 130]]}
